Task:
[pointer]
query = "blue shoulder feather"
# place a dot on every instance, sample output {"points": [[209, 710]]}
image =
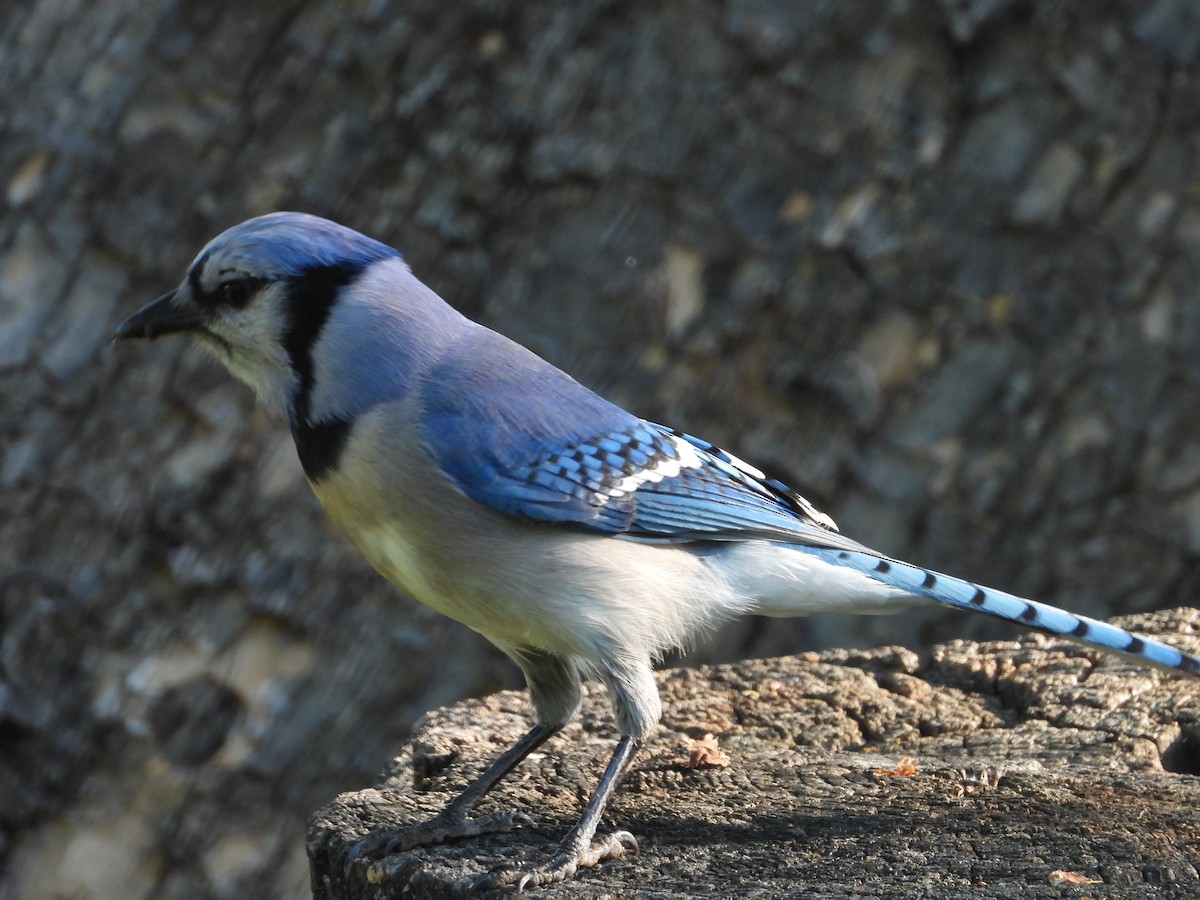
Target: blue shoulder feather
{"points": [[522, 437]]}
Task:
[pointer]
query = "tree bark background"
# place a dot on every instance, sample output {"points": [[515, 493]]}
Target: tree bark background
{"points": [[934, 265]]}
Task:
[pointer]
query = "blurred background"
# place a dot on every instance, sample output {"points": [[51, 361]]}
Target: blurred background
{"points": [[935, 265]]}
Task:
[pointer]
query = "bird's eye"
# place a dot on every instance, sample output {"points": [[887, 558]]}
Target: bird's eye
{"points": [[236, 292]]}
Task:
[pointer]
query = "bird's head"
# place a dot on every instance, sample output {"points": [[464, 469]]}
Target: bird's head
{"points": [[258, 294]]}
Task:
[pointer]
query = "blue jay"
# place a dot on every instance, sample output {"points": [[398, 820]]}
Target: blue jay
{"points": [[581, 540]]}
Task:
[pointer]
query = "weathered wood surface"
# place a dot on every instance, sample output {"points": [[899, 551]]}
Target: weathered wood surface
{"points": [[1036, 765]]}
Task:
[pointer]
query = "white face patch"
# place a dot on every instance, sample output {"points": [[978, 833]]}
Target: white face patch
{"points": [[249, 342]]}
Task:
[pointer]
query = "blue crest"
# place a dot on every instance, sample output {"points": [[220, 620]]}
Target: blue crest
{"points": [[285, 244]]}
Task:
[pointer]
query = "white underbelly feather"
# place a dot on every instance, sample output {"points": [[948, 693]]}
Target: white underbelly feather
{"points": [[787, 580]]}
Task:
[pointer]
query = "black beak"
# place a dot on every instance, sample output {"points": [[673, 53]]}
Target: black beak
{"points": [[163, 316]]}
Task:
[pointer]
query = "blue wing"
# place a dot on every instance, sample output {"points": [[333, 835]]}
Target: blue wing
{"points": [[522, 437]]}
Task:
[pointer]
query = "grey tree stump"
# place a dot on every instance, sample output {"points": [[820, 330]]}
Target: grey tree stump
{"points": [[1027, 768]]}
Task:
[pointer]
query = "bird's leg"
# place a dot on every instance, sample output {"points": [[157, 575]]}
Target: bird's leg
{"points": [[578, 850], [554, 689], [451, 821]]}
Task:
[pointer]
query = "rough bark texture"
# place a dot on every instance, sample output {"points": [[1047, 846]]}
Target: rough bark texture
{"points": [[1034, 768], [934, 264]]}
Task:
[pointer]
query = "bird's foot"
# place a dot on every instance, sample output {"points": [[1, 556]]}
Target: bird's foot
{"points": [[569, 860], [441, 828]]}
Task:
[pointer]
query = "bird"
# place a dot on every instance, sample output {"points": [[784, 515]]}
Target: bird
{"points": [[582, 540]]}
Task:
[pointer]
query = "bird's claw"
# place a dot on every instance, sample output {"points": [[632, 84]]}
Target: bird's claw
{"points": [[563, 866], [437, 830]]}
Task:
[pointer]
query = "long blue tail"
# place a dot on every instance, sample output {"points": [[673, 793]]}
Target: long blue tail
{"points": [[1040, 616]]}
